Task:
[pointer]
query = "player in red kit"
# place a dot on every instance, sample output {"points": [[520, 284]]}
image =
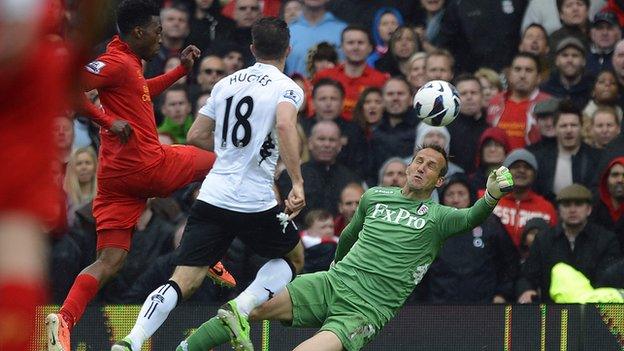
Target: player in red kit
{"points": [[133, 166]]}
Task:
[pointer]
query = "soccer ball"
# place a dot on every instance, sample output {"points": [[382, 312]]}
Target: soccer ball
{"points": [[437, 103]]}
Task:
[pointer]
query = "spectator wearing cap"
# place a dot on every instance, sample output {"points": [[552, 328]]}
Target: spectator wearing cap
{"points": [[512, 110], [604, 34], [583, 245], [492, 150], [522, 204], [470, 123], [574, 16], [569, 80], [354, 73], [569, 160], [609, 209], [544, 113], [479, 265]]}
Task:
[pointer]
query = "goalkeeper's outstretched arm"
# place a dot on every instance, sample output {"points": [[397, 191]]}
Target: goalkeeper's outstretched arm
{"points": [[499, 182]]}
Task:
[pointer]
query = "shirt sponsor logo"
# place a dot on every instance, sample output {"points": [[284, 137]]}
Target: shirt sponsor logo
{"points": [[95, 66], [402, 216], [291, 95]]}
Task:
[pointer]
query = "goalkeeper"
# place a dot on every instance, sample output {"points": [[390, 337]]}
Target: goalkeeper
{"points": [[382, 255]]}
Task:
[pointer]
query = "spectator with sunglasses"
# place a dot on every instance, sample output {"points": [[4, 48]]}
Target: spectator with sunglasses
{"points": [[211, 70]]}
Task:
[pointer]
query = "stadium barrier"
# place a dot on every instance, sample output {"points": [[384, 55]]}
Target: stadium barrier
{"points": [[417, 327]]}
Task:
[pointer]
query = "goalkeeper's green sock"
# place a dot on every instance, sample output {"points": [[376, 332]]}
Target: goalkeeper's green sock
{"points": [[209, 335]]}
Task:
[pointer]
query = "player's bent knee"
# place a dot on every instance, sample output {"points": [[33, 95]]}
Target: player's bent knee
{"points": [[189, 279]]}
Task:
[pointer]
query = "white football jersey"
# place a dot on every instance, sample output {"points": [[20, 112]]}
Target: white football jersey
{"points": [[243, 107]]}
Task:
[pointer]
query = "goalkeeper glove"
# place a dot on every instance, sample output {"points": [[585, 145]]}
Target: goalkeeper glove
{"points": [[499, 182]]}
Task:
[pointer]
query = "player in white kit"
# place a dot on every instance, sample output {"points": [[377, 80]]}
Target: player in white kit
{"points": [[249, 120]]}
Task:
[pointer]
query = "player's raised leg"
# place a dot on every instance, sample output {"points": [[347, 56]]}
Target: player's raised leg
{"points": [[113, 246]]}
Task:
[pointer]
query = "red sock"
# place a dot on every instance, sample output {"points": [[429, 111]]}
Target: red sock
{"points": [[81, 293], [18, 302]]}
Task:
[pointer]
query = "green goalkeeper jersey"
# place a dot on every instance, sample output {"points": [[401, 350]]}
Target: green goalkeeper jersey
{"points": [[389, 244]]}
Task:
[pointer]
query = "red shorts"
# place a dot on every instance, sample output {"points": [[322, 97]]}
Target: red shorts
{"points": [[120, 201]]}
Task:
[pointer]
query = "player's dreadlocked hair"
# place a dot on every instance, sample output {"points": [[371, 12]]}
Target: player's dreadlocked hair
{"points": [[437, 148], [135, 13], [270, 38]]}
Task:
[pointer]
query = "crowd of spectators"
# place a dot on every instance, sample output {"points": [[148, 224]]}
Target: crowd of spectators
{"points": [[542, 90]]}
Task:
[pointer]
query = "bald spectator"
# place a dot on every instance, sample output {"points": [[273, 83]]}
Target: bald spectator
{"points": [[439, 65], [349, 201], [315, 25], [211, 70], [396, 133], [512, 110], [323, 175], [175, 30], [569, 80], [605, 32], [208, 28], [569, 160]]}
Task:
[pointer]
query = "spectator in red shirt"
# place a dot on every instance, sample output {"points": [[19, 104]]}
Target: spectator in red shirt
{"points": [[522, 204], [354, 74], [133, 165], [512, 110]]}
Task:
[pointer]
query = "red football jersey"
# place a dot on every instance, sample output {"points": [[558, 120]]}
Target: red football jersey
{"points": [[126, 94]]}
